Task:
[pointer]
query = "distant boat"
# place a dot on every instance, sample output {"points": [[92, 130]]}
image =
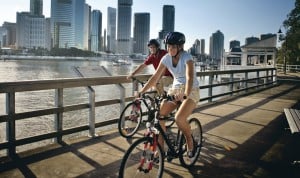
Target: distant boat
{"points": [[120, 62]]}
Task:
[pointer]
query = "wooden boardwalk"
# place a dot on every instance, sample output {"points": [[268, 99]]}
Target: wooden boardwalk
{"points": [[244, 137]]}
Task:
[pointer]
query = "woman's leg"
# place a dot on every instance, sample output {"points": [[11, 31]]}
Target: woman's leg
{"points": [[184, 111], [166, 108]]}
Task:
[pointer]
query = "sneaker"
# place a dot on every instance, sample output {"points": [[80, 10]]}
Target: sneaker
{"points": [[191, 154]]}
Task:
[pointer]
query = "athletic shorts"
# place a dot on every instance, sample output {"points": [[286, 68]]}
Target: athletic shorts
{"points": [[194, 95]]}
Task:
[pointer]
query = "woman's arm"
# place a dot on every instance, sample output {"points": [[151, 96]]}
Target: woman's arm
{"points": [[189, 77]]}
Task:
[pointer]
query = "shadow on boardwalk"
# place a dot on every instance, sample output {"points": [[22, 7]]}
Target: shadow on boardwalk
{"points": [[244, 137]]}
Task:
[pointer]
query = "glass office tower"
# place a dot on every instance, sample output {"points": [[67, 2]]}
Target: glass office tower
{"points": [[124, 26], [36, 7], [111, 29], [96, 29], [141, 32], [70, 23]]}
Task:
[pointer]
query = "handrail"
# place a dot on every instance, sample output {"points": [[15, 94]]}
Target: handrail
{"points": [[245, 84], [289, 67]]}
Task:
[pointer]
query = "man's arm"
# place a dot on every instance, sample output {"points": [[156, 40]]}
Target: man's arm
{"points": [[137, 70]]}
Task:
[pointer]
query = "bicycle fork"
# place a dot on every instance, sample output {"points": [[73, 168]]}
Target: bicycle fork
{"points": [[148, 160]]}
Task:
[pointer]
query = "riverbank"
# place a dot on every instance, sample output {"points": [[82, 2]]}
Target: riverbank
{"points": [[17, 57]]}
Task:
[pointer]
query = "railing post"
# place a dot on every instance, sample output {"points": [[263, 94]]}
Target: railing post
{"points": [[274, 75], [59, 115], [92, 113], [246, 82], [231, 85], [11, 124], [257, 79], [210, 82], [267, 78], [92, 100]]}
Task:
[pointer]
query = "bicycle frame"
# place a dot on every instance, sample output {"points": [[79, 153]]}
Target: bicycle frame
{"points": [[155, 130]]}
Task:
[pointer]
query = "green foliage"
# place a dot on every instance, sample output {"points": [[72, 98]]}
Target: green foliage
{"points": [[70, 52], [291, 40]]}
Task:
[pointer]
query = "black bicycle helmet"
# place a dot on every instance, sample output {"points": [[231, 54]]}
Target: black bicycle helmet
{"points": [[153, 42], [174, 38]]}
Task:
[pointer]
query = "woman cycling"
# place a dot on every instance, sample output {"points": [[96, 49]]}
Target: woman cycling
{"points": [[185, 87]]}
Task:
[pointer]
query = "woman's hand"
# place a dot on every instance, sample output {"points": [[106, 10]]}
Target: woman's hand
{"points": [[179, 96], [137, 94]]}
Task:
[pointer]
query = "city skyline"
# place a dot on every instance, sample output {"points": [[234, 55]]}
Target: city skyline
{"points": [[236, 19]]}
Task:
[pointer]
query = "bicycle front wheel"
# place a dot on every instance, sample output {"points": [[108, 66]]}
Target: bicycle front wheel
{"points": [[142, 159], [196, 130], [130, 120]]}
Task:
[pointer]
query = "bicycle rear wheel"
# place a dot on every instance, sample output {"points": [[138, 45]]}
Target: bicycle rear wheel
{"points": [[196, 130], [130, 120], [142, 159]]}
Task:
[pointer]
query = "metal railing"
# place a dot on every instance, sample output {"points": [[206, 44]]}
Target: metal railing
{"points": [[289, 68], [237, 81]]}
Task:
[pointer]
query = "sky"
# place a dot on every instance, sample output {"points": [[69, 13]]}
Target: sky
{"points": [[197, 19]]}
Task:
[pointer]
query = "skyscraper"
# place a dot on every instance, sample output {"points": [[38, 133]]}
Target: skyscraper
{"points": [[141, 32], [168, 21], [217, 45], [70, 23], [111, 29], [168, 18], [30, 31], [202, 46], [36, 7], [124, 26], [10, 35], [96, 30], [31, 26], [197, 46]]}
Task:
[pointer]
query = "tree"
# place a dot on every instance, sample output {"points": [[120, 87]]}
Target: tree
{"points": [[291, 44]]}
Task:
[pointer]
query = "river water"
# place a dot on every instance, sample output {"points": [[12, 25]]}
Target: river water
{"points": [[20, 70]]}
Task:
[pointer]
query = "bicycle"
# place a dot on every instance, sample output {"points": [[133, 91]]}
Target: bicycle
{"points": [[132, 115], [145, 157]]}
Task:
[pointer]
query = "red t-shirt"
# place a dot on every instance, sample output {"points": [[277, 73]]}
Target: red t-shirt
{"points": [[154, 59]]}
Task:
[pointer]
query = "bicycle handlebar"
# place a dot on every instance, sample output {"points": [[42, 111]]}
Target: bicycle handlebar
{"points": [[139, 81]]}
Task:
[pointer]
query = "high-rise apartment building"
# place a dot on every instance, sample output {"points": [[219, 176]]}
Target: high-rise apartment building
{"points": [[202, 48], [70, 24], [3, 33], [197, 46], [96, 30], [124, 26], [30, 31], [36, 7], [31, 27], [9, 37], [141, 32], [216, 49], [111, 29]]}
